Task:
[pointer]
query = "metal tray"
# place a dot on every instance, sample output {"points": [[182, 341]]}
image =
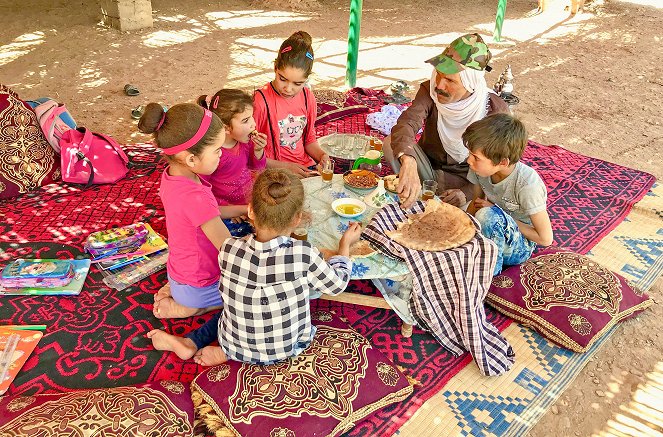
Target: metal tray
{"points": [[348, 146]]}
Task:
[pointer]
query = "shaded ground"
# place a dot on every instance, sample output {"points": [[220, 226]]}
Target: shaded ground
{"points": [[591, 83]]}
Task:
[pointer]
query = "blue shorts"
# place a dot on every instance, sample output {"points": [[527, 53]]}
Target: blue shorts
{"points": [[195, 297]]}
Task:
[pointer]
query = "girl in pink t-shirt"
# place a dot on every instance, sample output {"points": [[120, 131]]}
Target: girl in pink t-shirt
{"points": [[191, 139], [243, 152], [285, 110]]}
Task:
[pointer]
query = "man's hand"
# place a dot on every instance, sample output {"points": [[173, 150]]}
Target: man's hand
{"points": [[454, 197], [259, 143], [409, 185]]}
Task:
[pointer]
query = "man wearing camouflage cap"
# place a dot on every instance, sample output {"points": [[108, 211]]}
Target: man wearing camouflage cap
{"points": [[454, 97]]}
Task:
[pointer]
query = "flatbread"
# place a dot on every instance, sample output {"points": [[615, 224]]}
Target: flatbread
{"points": [[361, 249], [440, 227]]}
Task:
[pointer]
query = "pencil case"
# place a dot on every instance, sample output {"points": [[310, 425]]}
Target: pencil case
{"points": [[116, 238], [24, 273]]}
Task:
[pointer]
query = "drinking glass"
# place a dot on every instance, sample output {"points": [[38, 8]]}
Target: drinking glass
{"points": [[428, 189], [300, 234], [376, 142], [327, 172], [333, 148]]}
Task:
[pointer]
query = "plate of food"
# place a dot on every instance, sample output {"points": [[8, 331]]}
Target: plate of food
{"points": [[363, 180], [391, 183], [440, 227]]}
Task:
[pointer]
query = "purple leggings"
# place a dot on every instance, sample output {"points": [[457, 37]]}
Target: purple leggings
{"points": [[195, 297]]}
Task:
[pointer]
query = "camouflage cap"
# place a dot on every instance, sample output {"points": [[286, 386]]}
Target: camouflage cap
{"points": [[467, 51]]}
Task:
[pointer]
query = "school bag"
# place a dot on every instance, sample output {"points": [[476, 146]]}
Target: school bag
{"points": [[90, 158], [54, 120]]}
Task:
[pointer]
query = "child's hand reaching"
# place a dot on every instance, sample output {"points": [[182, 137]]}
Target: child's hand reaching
{"points": [[350, 236], [259, 143], [482, 203], [240, 219]]}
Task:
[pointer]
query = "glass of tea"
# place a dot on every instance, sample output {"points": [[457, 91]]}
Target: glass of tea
{"points": [[300, 234], [327, 171], [428, 189], [376, 142]]}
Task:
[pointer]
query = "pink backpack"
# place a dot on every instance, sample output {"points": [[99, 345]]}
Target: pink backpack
{"points": [[49, 116], [90, 158]]}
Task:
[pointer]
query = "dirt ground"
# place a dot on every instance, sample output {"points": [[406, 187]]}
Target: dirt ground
{"points": [[591, 83]]}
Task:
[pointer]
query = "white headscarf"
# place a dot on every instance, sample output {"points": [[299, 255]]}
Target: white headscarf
{"points": [[453, 118]]}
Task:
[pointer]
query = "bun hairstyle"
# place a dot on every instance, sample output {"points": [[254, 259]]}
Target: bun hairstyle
{"points": [[278, 196], [226, 103], [296, 52], [178, 125]]}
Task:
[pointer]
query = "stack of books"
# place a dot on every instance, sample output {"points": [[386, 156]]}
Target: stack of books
{"points": [[116, 248]]}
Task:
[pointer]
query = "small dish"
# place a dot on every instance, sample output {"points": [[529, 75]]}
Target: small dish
{"points": [[391, 183], [348, 207]]}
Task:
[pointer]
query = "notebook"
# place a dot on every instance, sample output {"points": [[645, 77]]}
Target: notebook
{"points": [[16, 345]]}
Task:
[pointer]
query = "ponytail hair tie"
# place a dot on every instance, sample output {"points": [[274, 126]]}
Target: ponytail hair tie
{"points": [[286, 49], [309, 55], [163, 118]]}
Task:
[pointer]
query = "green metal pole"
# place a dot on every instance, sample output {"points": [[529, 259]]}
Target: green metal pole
{"points": [[353, 43], [499, 20]]}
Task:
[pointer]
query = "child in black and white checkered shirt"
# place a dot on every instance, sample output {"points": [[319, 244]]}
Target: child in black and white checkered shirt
{"points": [[266, 283]]}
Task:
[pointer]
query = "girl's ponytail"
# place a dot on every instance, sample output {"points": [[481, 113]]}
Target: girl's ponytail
{"points": [[296, 52], [179, 125], [226, 103]]}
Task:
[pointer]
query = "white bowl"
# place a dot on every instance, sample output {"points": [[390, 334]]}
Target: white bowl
{"points": [[349, 201]]}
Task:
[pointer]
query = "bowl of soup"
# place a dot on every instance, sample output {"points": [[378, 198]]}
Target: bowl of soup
{"points": [[348, 208]]}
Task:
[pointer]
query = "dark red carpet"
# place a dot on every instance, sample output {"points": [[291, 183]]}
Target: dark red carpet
{"points": [[97, 339]]}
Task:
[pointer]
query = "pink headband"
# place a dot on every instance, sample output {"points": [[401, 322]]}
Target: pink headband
{"points": [[202, 130]]}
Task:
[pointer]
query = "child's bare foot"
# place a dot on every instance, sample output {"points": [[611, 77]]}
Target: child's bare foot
{"points": [[210, 356], [162, 293], [167, 308], [183, 347]]}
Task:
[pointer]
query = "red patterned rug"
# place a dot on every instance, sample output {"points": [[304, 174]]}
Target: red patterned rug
{"points": [[97, 339]]}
